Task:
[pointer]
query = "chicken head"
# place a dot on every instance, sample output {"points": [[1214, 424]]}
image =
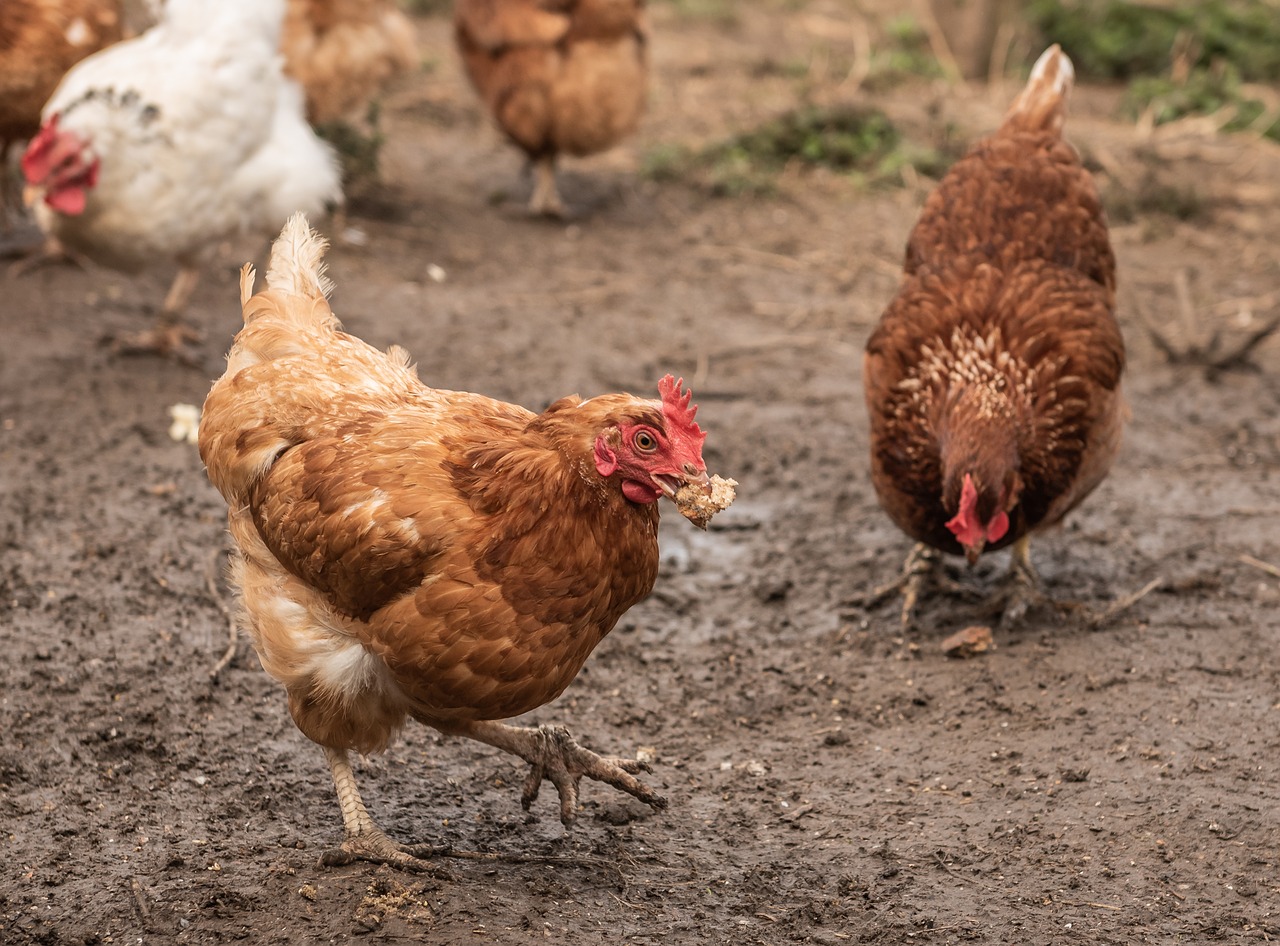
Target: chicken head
{"points": [[60, 168], [656, 459], [982, 517]]}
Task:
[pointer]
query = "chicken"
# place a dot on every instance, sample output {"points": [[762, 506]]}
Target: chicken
{"points": [[993, 380], [558, 76], [164, 145], [343, 52], [405, 552], [39, 41]]}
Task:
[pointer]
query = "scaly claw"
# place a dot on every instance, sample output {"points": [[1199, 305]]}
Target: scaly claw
{"points": [[376, 847], [563, 762], [165, 339]]}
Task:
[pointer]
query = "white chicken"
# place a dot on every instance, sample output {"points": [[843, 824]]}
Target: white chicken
{"points": [[163, 146]]}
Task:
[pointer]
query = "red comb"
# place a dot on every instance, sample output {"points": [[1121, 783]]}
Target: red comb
{"points": [[35, 160], [678, 409]]}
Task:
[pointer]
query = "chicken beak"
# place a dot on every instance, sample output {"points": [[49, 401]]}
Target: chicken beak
{"points": [[672, 483], [30, 196], [971, 552], [700, 479]]}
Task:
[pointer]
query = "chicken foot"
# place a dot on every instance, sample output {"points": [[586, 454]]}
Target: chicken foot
{"points": [[169, 336], [1023, 589], [364, 840], [553, 754], [923, 566]]}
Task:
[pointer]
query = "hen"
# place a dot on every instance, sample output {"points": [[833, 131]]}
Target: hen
{"points": [[164, 145], [993, 379], [406, 552], [343, 52], [39, 41], [558, 76]]}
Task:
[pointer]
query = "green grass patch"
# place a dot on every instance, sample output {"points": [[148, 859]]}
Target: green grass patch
{"points": [[1205, 92], [860, 142], [903, 53], [1179, 60], [1111, 39], [357, 147]]}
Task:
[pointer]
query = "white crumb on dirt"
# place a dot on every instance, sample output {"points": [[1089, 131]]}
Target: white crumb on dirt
{"points": [[186, 423]]}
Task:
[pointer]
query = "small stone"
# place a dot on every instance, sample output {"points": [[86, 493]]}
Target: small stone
{"points": [[969, 642]]}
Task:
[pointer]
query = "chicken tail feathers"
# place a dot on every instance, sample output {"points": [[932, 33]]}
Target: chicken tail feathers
{"points": [[291, 316], [297, 261], [1042, 105], [247, 275]]}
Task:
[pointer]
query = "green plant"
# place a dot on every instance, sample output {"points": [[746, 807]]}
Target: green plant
{"points": [[1204, 92], [904, 53], [860, 142], [1112, 39], [357, 148]]}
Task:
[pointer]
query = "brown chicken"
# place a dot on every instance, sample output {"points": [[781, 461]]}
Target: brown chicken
{"points": [[558, 76], [39, 41], [993, 379], [343, 52], [406, 552]]}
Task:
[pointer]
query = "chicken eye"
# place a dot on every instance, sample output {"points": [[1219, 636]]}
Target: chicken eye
{"points": [[645, 441]]}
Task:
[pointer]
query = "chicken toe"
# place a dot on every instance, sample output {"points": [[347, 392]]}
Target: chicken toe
{"points": [[921, 571], [1022, 590], [364, 840], [48, 252], [169, 337], [553, 754]]}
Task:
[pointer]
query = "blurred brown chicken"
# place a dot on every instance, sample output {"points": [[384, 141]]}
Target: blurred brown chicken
{"points": [[344, 52], [408, 552], [558, 76], [993, 379], [39, 41]]}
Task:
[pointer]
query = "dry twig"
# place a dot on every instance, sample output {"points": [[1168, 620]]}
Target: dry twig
{"points": [[1260, 564], [233, 635]]}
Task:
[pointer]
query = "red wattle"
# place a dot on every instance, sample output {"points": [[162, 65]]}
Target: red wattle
{"points": [[68, 200], [639, 492], [998, 526]]}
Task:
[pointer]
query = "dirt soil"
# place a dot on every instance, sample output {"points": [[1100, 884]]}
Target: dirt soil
{"points": [[832, 779]]}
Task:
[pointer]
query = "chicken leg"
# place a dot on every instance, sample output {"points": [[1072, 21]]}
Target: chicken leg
{"points": [[552, 754], [365, 841], [1023, 589], [545, 201], [923, 567]]}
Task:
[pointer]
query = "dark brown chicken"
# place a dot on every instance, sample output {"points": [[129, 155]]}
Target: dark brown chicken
{"points": [[993, 379], [558, 76], [407, 552]]}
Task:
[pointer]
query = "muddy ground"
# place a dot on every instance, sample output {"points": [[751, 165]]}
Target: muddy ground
{"points": [[831, 779]]}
